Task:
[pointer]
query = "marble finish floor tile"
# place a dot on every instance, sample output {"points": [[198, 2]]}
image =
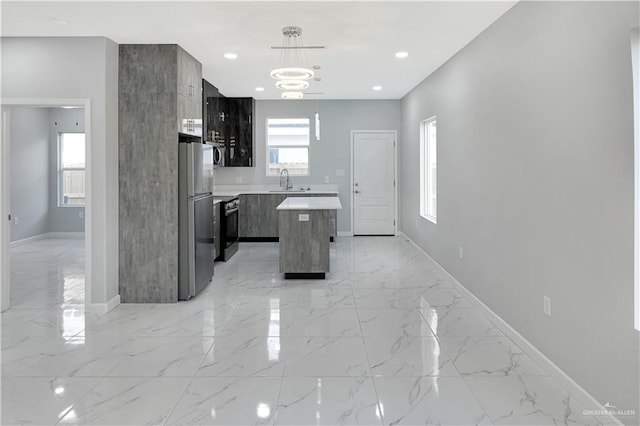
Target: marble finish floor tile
{"points": [[326, 356], [327, 401], [62, 357], [489, 356], [408, 356], [386, 338], [326, 322], [386, 298], [459, 322], [191, 323], [428, 401], [128, 401], [41, 400], [393, 322], [227, 401], [324, 297], [258, 322], [448, 298], [527, 401], [245, 356], [161, 356]]}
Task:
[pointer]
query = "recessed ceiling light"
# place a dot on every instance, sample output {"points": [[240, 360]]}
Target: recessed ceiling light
{"points": [[402, 55], [376, 88], [259, 89], [231, 55]]}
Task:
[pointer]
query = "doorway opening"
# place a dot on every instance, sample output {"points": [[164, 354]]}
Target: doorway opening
{"points": [[45, 178]]}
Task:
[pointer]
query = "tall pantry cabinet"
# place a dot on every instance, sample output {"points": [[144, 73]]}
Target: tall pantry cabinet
{"points": [[159, 95]]}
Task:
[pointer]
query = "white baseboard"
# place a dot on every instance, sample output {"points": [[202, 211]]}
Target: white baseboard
{"points": [[345, 234], [102, 308], [583, 397], [27, 240], [73, 235]]}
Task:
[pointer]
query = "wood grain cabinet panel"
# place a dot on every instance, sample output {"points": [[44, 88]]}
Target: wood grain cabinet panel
{"points": [[151, 106]]}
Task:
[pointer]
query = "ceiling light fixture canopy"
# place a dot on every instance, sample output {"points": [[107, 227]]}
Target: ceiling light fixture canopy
{"points": [[292, 76]]}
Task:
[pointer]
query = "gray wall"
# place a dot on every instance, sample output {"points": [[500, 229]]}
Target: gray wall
{"points": [[29, 153], [332, 152], [535, 180], [79, 68], [62, 219]]}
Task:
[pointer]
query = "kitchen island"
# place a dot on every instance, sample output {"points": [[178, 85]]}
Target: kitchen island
{"points": [[304, 234]]}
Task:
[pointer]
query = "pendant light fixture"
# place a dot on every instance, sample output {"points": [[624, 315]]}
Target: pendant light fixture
{"points": [[292, 76]]}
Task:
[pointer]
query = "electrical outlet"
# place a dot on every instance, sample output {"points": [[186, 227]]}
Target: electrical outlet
{"points": [[326, 179], [546, 301], [16, 220], [81, 214], [238, 179], [460, 252]]}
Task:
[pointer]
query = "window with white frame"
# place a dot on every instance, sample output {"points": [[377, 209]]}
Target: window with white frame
{"points": [[428, 171], [71, 169], [288, 146]]}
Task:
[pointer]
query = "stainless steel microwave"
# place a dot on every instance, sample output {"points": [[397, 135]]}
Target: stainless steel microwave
{"points": [[218, 155]]}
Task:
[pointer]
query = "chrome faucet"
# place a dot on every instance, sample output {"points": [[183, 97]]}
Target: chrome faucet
{"points": [[284, 180]]}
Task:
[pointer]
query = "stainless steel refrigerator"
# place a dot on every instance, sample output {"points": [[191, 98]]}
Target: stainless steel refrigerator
{"points": [[195, 215]]}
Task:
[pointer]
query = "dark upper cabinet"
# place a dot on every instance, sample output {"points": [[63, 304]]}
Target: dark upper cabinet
{"points": [[229, 122]]}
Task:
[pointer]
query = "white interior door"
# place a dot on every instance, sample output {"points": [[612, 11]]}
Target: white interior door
{"points": [[374, 183], [4, 210]]}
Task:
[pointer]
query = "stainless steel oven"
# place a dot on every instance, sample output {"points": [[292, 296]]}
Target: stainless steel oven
{"points": [[229, 207]]}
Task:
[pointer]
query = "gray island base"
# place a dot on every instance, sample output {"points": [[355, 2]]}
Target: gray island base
{"points": [[304, 234]]}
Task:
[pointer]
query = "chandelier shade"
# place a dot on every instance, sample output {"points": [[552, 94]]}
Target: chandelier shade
{"points": [[292, 85]]}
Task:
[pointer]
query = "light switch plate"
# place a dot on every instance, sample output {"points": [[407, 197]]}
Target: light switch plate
{"points": [[303, 218], [340, 172], [238, 179]]}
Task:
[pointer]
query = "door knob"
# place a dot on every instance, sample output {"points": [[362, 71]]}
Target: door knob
{"points": [[357, 192], [355, 184]]}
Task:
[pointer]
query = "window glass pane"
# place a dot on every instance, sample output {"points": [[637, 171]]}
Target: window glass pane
{"points": [[431, 206], [296, 160], [428, 170], [72, 150], [72, 187], [288, 131]]}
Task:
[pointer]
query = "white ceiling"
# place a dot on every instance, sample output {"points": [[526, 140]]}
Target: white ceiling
{"points": [[360, 37]]}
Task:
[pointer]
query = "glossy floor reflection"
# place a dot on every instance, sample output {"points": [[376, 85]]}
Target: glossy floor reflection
{"points": [[385, 339]]}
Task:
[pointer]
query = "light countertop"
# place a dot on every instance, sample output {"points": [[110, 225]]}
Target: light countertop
{"points": [[310, 203]]}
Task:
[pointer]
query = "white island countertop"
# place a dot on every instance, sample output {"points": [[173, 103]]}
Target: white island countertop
{"points": [[310, 203]]}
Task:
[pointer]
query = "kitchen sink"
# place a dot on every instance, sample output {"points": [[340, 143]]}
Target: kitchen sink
{"points": [[287, 191]]}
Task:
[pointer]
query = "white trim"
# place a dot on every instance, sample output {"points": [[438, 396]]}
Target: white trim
{"points": [[395, 175], [345, 234], [5, 210], [4, 243], [46, 235], [635, 59], [102, 308], [583, 397], [71, 235], [27, 240]]}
